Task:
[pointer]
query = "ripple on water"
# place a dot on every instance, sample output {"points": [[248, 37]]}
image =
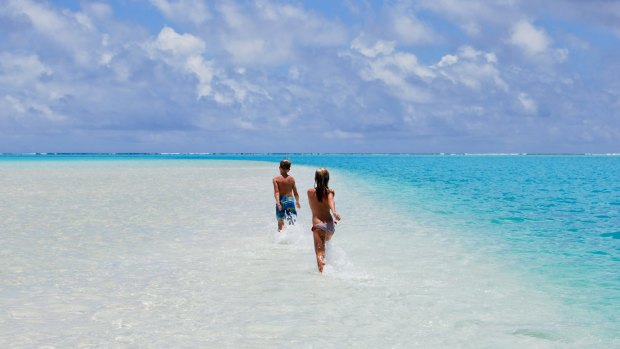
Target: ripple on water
{"points": [[614, 235]]}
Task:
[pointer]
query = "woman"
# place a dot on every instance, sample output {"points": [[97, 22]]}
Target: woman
{"points": [[322, 205]]}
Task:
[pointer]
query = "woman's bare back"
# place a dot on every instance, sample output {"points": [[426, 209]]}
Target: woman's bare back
{"points": [[321, 209]]}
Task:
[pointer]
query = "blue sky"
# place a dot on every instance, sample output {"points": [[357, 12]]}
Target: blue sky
{"points": [[310, 76]]}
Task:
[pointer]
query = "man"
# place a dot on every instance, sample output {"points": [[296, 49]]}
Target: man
{"points": [[283, 191]]}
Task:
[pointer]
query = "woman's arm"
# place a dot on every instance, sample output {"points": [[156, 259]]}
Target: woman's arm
{"points": [[332, 205]]}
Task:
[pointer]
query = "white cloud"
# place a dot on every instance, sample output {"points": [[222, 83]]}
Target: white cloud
{"points": [[270, 34], [284, 121], [74, 32], [204, 73], [106, 58], [530, 39], [98, 9], [471, 68], [194, 11], [528, 104], [27, 110], [395, 71], [184, 52], [397, 25], [473, 15], [412, 81], [469, 52], [536, 43], [239, 91], [380, 47], [244, 124], [491, 57], [447, 60], [340, 134], [561, 54], [293, 73], [14, 104], [408, 64], [179, 44], [245, 49], [410, 30], [21, 70]]}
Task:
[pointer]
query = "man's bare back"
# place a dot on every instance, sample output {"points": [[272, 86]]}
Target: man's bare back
{"points": [[285, 184]]}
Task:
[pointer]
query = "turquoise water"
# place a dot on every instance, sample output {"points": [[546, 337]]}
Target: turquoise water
{"points": [[553, 220]]}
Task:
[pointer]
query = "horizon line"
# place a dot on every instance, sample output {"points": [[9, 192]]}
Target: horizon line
{"points": [[299, 153]]}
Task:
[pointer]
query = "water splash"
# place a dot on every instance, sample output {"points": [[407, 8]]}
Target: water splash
{"points": [[297, 236], [339, 265]]}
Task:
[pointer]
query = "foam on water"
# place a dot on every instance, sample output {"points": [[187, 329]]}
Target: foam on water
{"points": [[186, 254], [299, 237], [339, 265], [295, 235]]}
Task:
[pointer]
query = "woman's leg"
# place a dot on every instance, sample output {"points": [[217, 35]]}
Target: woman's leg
{"points": [[319, 247]]}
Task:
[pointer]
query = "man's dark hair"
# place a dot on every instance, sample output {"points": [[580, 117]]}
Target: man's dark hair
{"points": [[285, 164]]}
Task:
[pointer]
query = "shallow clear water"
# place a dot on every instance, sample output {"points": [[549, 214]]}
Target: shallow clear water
{"points": [[433, 251]]}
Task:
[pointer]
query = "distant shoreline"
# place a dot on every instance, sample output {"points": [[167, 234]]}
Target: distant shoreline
{"points": [[284, 154]]}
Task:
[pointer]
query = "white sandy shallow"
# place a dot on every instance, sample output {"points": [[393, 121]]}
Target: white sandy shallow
{"points": [[184, 254]]}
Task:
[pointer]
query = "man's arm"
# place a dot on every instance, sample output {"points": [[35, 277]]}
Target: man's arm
{"points": [[296, 194], [276, 193]]}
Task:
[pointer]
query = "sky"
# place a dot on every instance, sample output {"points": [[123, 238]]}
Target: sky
{"points": [[426, 76]]}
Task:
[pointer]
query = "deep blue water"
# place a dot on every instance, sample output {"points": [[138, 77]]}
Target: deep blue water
{"points": [[553, 217]]}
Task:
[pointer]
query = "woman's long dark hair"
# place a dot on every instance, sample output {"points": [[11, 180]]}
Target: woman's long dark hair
{"points": [[321, 180]]}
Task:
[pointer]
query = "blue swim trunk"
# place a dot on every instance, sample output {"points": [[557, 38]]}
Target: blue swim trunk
{"points": [[288, 211]]}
